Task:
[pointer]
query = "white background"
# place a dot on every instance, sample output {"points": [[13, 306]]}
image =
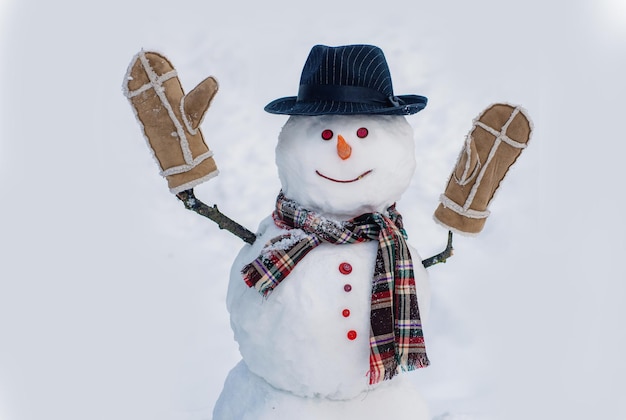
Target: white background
{"points": [[112, 294]]}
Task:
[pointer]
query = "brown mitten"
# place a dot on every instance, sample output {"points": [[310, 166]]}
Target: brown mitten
{"points": [[170, 119], [497, 138]]}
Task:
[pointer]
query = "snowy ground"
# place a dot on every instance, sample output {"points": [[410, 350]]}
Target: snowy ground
{"points": [[112, 295]]}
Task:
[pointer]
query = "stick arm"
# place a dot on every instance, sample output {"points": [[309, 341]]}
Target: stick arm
{"points": [[442, 256], [223, 222]]}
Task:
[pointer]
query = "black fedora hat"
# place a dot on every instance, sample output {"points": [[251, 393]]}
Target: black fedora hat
{"points": [[350, 79]]}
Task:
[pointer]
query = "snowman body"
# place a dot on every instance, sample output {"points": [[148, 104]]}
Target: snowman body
{"points": [[305, 347]]}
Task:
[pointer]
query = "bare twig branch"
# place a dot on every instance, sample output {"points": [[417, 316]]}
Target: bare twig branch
{"points": [[224, 222], [442, 256]]}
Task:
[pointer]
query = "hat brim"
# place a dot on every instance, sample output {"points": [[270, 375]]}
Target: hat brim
{"points": [[408, 105]]}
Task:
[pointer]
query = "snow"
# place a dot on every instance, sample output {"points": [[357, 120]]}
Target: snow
{"points": [[270, 403], [388, 151], [112, 295]]}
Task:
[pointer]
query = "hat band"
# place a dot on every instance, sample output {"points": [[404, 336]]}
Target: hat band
{"points": [[343, 93]]}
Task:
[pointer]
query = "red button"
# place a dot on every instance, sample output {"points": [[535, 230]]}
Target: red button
{"points": [[345, 268], [345, 313], [351, 335], [347, 287]]}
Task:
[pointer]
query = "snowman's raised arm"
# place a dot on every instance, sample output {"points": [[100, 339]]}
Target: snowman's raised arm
{"points": [[498, 136], [170, 121]]}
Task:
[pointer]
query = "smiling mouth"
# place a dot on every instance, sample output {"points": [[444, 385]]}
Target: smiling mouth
{"points": [[364, 174]]}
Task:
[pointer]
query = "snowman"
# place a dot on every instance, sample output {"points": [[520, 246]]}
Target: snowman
{"points": [[328, 304], [327, 301]]}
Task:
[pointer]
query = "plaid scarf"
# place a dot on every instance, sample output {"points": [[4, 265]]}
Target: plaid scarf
{"points": [[396, 337]]}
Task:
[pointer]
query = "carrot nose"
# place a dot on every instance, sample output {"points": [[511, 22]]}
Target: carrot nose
{"points": [[343, 148]]}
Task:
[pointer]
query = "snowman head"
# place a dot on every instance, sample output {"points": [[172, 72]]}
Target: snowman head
{"points": [[345, 165], [347, 148]]}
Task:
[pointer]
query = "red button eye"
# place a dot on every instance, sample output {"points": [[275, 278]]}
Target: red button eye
{"points": [[362, 132], [327, 134]]}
